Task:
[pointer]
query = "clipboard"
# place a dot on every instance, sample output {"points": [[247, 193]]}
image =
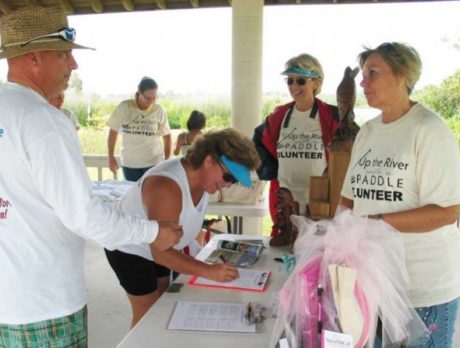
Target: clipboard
{"points": [[249, 280]]}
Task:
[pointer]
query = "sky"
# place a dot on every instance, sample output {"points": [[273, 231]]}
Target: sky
{"points": [[189, 51]]}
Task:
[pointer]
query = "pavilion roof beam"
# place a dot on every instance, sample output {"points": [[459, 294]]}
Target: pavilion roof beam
{"points": [[161, 4], [33, 2], [97, 6], [5, 7], [128, 5], [66, 6]]}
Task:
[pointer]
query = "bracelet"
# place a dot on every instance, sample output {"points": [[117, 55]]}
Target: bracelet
{"points": [[380, 216]]}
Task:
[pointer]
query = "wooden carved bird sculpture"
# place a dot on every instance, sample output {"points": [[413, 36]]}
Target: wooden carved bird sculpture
{"points": [[346, 97], [287, 206]]}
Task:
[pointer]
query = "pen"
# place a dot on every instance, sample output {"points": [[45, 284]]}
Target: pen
{"points": [[320, 309], [249, 312]]}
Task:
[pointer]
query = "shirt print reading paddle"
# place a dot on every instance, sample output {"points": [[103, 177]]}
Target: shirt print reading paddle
{"points": [[300, 145], [378, 178]]}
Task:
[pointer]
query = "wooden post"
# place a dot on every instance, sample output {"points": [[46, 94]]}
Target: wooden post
{"points": [[338, 165], [318, 205]]}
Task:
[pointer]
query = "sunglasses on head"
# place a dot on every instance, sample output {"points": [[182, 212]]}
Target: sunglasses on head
{"points": [[301, 81], [386, 47], [67, 34]]}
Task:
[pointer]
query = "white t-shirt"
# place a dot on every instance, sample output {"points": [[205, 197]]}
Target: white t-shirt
{"points": [[191, 217], [142, 130], [72, 117], [301, 154], [47, 210], [403, 165]]}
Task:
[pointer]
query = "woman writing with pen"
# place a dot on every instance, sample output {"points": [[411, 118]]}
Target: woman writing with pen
{"points": [[178, 190]]}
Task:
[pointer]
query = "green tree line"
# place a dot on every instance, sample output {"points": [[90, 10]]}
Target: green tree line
{"points": [[93, 112]]}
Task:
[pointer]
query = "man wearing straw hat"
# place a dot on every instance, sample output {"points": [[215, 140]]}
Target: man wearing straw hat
{"points": [[47, 209]]}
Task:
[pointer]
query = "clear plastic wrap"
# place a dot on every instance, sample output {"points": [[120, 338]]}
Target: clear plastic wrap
{"points": [[350, 271]]}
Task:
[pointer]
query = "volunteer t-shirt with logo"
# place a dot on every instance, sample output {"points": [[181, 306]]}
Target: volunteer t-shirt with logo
{"points": [[301, 154], [142, 133], [406, 164]]}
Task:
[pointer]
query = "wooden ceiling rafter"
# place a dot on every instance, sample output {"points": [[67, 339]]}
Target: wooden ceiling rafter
{"points": [[66, 6], [97, 6], [79, 7], [128, 5], [161, 4]]}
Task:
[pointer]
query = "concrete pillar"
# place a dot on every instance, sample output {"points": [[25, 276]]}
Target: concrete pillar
{"points": [[247, 36]]}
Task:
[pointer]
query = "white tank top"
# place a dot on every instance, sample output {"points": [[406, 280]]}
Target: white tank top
{"points": [[191, 216]]}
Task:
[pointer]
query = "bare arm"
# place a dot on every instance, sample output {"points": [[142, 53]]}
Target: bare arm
{"points": [[179, 143], [161, 189], [167, 145], [423, 219], [111, 142]]}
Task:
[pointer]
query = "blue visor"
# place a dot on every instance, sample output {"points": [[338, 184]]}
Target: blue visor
{"points": [[295, 70], [240, 172]]}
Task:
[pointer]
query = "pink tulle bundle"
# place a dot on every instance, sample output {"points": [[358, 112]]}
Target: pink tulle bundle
{"points": [[349, 271]]}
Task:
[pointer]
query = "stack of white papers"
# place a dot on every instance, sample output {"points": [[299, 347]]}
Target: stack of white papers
{"points": [[210, 316]]}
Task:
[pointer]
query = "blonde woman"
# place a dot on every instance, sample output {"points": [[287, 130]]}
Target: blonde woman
{"points": [[293, 139], [405, 170]]}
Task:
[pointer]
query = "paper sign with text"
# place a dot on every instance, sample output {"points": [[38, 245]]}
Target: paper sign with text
{"points": [[332, 339]]}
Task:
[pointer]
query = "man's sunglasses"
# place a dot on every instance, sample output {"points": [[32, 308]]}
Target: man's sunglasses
{"points": [[67, 34], [227, 177], [301, 81]]}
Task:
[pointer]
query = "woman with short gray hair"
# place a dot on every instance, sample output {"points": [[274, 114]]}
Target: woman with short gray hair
{"points": [[404, 170]]}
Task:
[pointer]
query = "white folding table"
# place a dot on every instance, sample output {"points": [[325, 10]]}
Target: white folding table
{"points": [[152, 330]]}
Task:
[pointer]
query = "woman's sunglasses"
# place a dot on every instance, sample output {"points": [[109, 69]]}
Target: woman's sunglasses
{"points": [[301, 81], [227, 177]]}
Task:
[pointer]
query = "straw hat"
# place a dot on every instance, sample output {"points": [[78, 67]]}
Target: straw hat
{"points": [[20, 26]]}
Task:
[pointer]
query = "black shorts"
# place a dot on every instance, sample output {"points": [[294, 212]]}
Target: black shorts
{"points": [[137, 275]]}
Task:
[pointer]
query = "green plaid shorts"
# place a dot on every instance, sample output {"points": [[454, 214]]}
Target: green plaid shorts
{"points": [[66, 332]]}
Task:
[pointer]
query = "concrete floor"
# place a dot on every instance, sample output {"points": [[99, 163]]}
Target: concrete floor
{"points": [[109, 313]]}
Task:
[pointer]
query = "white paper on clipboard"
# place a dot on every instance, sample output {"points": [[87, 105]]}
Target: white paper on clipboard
{"points": [[210, 316]]}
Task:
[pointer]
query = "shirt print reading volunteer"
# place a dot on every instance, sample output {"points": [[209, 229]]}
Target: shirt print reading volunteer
{"points": [[141, 125], [300, 153], [378, 178]]}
